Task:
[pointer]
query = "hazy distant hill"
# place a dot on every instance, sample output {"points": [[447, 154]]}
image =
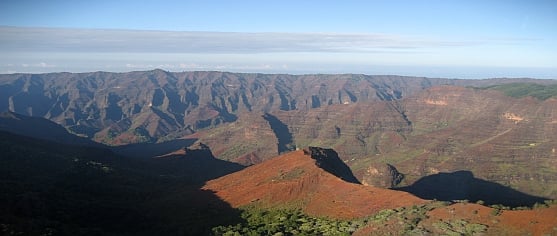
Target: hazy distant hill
{"points": [[41, 128]]}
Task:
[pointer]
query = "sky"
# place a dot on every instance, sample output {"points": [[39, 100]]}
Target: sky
{"points": [[455, 39]]}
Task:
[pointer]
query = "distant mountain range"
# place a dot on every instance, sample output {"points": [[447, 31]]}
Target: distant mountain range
{"points": [[502, 130], [135, 107]]}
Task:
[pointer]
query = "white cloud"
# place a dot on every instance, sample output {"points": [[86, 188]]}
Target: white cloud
{"points": [[39, 50], [16, 39], [44, 65], [139, 66]]}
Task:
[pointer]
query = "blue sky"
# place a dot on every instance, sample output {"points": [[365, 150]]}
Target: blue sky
{"points": [[458, 39]]}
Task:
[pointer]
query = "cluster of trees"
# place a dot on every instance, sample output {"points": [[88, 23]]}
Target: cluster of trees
{"points": [[286, 222], [460, 227], [401, 221], [255, 221]]}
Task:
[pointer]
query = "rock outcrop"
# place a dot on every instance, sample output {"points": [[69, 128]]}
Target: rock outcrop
{"points": [[382, 175]]}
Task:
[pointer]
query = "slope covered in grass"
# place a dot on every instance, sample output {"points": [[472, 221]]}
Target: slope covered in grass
{"points": [[518, 90]]}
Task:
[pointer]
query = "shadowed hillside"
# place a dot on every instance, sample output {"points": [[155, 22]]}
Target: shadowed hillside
{"points": [[195, 164], [51, 188], [40, 128], [462, 185], [147, 150]]}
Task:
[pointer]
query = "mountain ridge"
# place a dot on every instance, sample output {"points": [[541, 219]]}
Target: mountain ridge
{"points": [[142, 106], [295, 180]]}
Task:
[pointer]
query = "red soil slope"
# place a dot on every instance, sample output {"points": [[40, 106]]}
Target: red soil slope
{"points": [[540, 221], [293, 180]]}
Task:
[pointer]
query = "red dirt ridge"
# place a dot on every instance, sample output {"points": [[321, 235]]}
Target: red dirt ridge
{"points": [[293, 180]]}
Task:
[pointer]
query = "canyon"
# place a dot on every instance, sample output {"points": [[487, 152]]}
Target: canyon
{"points": [[420, 126], [188, 146]]}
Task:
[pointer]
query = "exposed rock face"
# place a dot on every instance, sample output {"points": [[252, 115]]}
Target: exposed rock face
{"points": [[395, 177], [328, 160], [382, 175]]}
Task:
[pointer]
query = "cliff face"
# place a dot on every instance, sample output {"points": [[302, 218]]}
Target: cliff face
{"points": [[134, 107]]}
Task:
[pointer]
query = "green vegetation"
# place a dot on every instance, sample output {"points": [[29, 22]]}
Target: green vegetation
{"points": [[286, 222], [498, 208], [404, 220], [294, 174], [400, 221], [237, 150], [496, 212], [460, 227], [518, 90], [142, 135]]}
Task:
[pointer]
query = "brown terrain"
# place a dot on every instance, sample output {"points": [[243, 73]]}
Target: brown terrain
{"points": [[541, 221], [509, 141], [294, 180], [456, 217]]}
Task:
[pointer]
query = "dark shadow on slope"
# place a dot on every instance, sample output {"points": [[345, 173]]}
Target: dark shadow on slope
{"points": [[462, 185], [41, 128], [146, 150], [328, 160], [284, 137], [197, 165], [51, 188]]}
